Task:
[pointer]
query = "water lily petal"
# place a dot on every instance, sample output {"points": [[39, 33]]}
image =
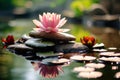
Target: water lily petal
{"points": [[38, 24], [61, 23], [57, 19], [63, 30], [38, 29]]}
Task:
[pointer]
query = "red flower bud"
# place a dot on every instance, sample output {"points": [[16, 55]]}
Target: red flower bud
{"points": [[8, 41], [89, 41]]}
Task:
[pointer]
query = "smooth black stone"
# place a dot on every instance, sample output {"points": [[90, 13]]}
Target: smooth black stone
{"points": [[99, 46], [35, 58], [71, 48], [50, 55], [26, 37], [23, 39], [51, 64], [40, 45], [21, 49]]}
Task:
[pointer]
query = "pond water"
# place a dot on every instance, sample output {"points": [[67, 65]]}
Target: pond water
{"points": [[16, 67]]}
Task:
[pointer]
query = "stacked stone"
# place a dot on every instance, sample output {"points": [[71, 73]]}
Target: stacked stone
{"points": [[45, 42], [47, 36], [42, 41]]}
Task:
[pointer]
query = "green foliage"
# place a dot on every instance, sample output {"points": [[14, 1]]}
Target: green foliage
{"points": [[5, 28], [6, 4], [19, 3], [10, 4], [79, 6], [78, 31], [56, 3]]}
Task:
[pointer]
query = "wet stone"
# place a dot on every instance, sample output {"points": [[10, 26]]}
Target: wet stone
{"points": [[99, 46], [23, 39], [53, 36], [34, 58], [21, 49], [71, 48], [40, 45]]}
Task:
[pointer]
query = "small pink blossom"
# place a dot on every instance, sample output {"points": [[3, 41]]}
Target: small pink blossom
{"points": [[49, 22]]}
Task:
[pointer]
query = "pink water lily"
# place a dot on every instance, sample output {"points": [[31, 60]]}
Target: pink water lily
{"points": [[47, 71], [49, 22]]}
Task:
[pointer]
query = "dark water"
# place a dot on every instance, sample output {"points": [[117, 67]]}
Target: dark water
{"points": [[14, 67]]}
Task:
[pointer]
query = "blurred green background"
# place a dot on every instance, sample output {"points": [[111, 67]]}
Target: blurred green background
{"points": [[16, 18]]}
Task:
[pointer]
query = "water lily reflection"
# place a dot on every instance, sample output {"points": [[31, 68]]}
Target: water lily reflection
{"points": [[47, 71]]}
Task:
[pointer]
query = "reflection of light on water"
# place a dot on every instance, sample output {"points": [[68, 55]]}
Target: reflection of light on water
{"points": [[30, 75], [117, 75], [112, 48], [21, 70], [114, 67], [83, 69], [95, 65], [24, 74], [20, 23], [87, 21], [94, 74], [100, 50]]}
